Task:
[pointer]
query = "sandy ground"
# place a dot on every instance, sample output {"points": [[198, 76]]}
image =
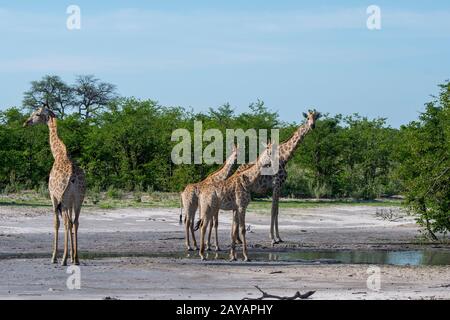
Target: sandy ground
{"points": [[128, 239]]}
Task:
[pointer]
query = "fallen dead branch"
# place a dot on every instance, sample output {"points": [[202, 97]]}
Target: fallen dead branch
{"points": [[266, 295]]}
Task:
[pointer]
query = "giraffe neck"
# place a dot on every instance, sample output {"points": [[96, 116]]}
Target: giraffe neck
{"points": [[225, 171], [287, 148], [252, 173], [58, 148]]}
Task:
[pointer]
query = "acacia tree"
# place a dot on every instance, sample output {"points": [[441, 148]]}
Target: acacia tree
{"points": [[92, 95], [52, 92], [425, 164]]}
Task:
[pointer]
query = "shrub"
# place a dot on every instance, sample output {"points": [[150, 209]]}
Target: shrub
{"points": [[114, 193]]}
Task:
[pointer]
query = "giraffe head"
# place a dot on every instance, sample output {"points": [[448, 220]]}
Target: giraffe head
{"points": [[233, 155], [311, 117], [265, 158], [41, 115], [263, 166], [235, 151]]}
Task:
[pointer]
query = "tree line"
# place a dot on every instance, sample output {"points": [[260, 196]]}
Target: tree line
{"points": [[125, 143]]}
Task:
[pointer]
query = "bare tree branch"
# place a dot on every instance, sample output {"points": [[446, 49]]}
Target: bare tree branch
{"points": [[266, 295]]}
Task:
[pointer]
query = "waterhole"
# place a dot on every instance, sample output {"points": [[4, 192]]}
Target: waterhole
{"points": [[425, 257]]}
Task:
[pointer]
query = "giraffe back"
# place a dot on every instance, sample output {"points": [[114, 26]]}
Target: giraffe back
{"points": [[67, 183], [264, 184]]}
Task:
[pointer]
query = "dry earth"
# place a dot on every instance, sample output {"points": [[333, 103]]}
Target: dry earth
{"points": [[139, 253]]}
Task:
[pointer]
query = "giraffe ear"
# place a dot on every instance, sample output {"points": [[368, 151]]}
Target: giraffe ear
{"points": [[265, 145], [305, 115]]}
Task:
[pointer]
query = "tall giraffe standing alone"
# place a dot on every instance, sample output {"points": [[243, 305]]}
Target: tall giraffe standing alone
{"points": [[265, 183], [66, 186], [231, 194], [190, 195]]}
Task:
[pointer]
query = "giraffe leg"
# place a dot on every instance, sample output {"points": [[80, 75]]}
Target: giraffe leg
{"points": [[234, 232], [188, 228], [208, 244], [55, 239], [272, 237], [241, 217], [194, 208], [274, 213], [189, 210], [238, 239], [276, 201], [72, 245], [204, 225], [75, 225], [216, 235], [75, 260], [277, 234], [66, 238], [187, 221], [193, 235]]}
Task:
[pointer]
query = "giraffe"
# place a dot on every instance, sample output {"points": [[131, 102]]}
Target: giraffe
{"points": [[231, 194], [189, 200], [265, 183], [66, 186]]}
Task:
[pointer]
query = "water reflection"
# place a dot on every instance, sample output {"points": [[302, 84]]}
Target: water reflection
{"points": [[273, 256], [410, 257]]}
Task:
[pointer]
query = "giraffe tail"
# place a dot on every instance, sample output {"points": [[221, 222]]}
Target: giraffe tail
{"points": [[198, 224], [59, 208]]}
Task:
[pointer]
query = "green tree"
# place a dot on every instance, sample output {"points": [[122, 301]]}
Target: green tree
{"points": [[25, 159], [425, 164]]}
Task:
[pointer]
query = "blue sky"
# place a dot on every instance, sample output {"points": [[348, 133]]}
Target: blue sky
{"points": [[202, 54]]}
